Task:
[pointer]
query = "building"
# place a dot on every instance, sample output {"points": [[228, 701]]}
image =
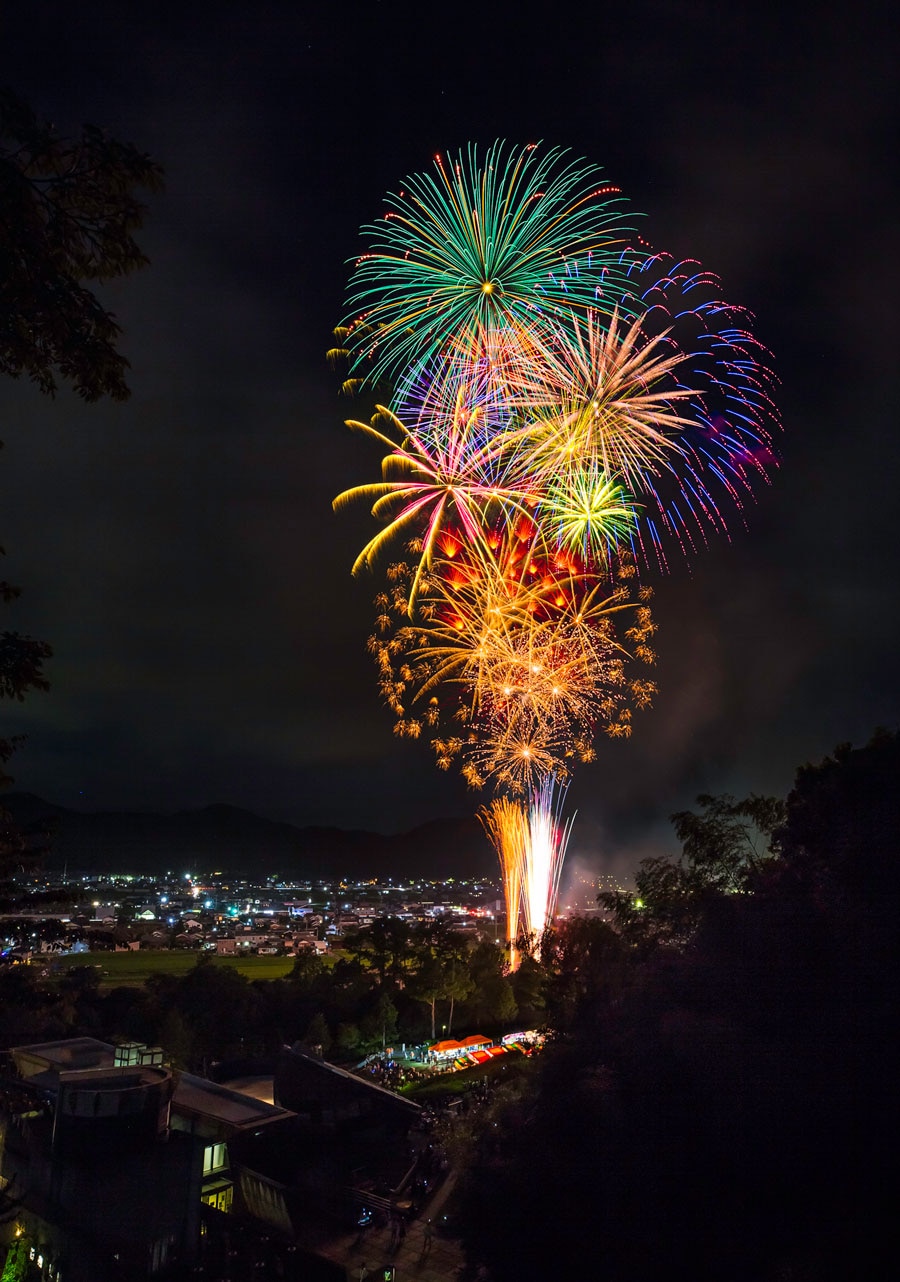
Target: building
{"points": [[85, 1144], [121, 1169], [118, 1161]]}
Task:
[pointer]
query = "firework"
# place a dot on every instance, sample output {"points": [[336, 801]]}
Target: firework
{"points": [[506, 824], [725, 440], [456, 479], [564, 403], [521, 657], [607, 396], [483, 246], [589, 512], [531, 844], [547, 840]]}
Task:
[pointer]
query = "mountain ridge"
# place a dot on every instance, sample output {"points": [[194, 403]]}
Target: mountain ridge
{"points": [[222, 837]]}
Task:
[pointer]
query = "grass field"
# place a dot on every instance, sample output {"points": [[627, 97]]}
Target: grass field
{"points": [[135, 968]]}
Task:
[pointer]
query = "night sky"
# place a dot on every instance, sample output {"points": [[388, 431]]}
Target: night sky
{"points": [[180, 552]]}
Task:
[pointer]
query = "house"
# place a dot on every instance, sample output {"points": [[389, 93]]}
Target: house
{"points": [[252, 938]]}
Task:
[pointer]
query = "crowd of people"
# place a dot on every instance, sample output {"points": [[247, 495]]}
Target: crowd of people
{"points": [[393, 1073]]}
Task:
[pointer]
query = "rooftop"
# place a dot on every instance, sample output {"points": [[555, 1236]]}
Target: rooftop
{"points": [[203, 1098], [63, 1056]]}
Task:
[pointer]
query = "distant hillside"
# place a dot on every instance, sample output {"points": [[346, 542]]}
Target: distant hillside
{"points": [[237, 841]]}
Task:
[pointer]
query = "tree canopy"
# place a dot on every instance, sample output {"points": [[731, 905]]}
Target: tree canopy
{"points": [[21, 667], [725, 845], [68, 213], [21, 670], [721, 1106]]}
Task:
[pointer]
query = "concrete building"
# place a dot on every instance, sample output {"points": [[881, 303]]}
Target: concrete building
{"points": [[118, 1162], [118, 1168]]}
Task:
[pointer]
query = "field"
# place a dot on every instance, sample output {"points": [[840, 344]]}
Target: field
{"points": [[135, 968]]}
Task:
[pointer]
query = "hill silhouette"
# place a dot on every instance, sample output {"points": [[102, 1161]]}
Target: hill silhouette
{"points": [[233, 840]]}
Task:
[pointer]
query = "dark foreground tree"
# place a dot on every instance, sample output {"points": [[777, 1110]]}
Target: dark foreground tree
{"points": [[725, 845], [842, 820], [68, 211], [21, 670], [730, 1115]]}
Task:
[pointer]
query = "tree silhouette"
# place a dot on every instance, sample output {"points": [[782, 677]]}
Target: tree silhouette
{"points": [[21, 670], [725, 1109], [724, 847], [68, 213]]}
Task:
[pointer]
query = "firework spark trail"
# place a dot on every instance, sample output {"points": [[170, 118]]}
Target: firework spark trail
{"points": [[547, 841], [530, 841], [566, 404], [506, 824]]}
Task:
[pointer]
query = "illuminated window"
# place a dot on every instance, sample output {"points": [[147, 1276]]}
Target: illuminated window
{"points": [[220, 1199], [215, 1158]]}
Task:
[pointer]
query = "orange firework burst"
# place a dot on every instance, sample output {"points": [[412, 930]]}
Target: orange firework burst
{"points": [[520, 655]]}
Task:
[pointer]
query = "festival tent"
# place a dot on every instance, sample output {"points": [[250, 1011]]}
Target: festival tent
{"points": [[446, 1048], [476, 1042]]}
